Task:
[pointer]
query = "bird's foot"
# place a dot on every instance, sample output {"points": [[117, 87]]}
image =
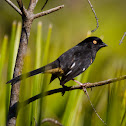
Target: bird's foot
{"points": [[64, 89]]}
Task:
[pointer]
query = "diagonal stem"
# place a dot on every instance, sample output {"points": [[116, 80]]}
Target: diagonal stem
{"points": [[48, 11], [85, 91], [32, 5], [85, 85], [121, 41], [20, 4], [14, 6], [22, 8], [53, 121], [97, 24], [44, 4]]}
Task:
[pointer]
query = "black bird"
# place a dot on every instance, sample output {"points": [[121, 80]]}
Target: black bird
{"points": [[71, 63]]}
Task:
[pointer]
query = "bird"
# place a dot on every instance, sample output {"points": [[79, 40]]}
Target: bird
{"points": [[70, 64]]}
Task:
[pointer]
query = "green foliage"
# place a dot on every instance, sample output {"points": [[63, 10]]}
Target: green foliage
{"points": [[72, 109]]}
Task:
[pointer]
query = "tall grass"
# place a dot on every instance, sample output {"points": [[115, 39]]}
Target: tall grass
{"points": [[72, 109]]}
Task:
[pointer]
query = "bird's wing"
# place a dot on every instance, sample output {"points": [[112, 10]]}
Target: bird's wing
{"points": [[80, 62]]}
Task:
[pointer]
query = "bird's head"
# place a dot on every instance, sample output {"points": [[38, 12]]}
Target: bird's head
{"points": [[94, 43]]}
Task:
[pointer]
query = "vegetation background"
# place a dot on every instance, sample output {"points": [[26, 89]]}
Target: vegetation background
{"points": [[57, 33]]}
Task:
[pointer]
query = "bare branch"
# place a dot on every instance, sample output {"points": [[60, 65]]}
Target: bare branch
{"points": [[32, 5], [14, 6], [97, 24], [44, 4], [20, 4], [49, 120], [48, 11], [121, 41], [22, 8], [85, 91], [86, 85], [52, 121]]}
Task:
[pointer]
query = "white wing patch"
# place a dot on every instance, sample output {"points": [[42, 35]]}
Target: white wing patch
{"points": [[73, 65], [69, 72], [83, 69]]}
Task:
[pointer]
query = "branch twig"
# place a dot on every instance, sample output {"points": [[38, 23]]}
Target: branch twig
{"points": [[52, 121], [44, 5], [14, 6], [22, 8], [20, 4], [85, 91], [97, 24], [32, 5], [49, 120], [47, 12], [86, 85], [121, 41]]}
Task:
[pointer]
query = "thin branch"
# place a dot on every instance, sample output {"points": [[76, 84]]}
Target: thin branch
{"points": [[22, 8], [52, 121], [60, 90], [44, 4], [121, 41], [86, 85], [32, 5], [49, 120], [48, 11], [97, 24], [14, 6], [20, 4], [85, 91]]}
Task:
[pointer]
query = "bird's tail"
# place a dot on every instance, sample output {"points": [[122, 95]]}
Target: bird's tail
{"points": [[50, 68]]}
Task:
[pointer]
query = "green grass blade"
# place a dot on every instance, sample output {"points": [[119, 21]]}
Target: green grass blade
{"points": [[3, 54], [45, 60], [11, 52], [37, 79], [46, 46], [3, 57], [24, 115]]}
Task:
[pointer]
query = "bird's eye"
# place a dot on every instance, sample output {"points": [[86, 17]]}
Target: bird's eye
{"points": [[94, 42]]}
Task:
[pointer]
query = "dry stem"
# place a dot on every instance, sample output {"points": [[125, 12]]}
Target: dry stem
{"points": [[97, 24]]}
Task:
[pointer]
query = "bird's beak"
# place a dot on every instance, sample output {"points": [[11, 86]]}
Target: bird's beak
{"points": [[103, 45]]}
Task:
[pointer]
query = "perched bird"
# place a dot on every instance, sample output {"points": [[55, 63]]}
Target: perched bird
{"points": [[71, 63]]}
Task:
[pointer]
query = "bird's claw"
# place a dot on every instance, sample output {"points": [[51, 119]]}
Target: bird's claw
{"points": [[63, 91]]}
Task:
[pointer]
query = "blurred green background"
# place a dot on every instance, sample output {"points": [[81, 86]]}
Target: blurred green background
{"points": [[57, 33]]}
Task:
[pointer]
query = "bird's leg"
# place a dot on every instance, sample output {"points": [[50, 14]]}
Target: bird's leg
{"points": [[64, 87]]}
